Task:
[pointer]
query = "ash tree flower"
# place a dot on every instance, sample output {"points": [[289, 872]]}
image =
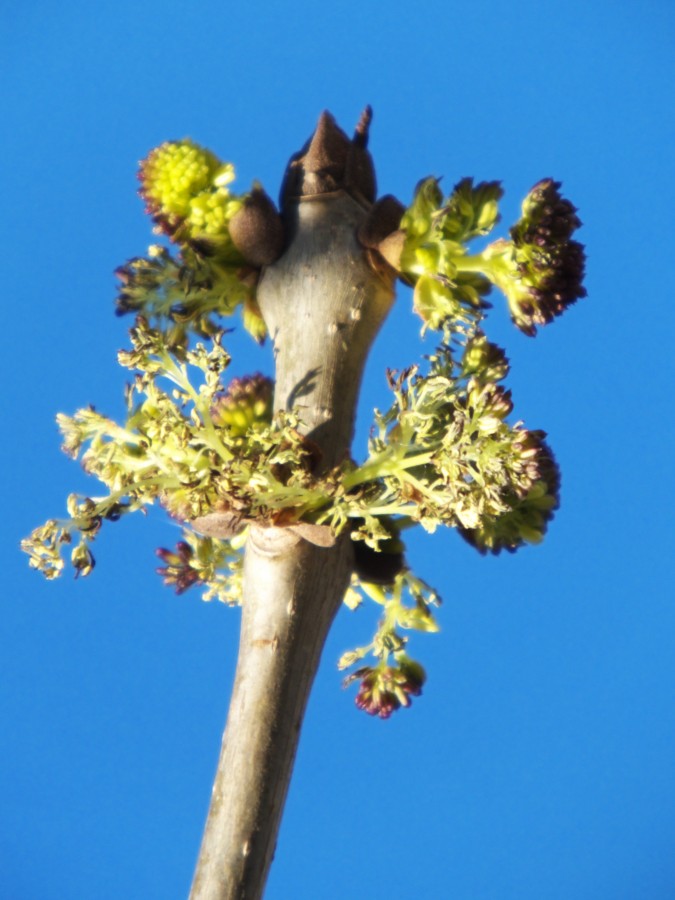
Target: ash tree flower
{"points": [[185, 188], [220, 456], [541, 268], [384, 689], [177, 570], [265, 468]]}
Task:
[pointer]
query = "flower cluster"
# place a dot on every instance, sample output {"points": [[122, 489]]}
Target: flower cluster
{"points": [[389, 685], [384, 689], [174, 450], [185, 188], [180, 297], [540, 270], [446, 452], [436, 233], [178, 569], [198, 560]]}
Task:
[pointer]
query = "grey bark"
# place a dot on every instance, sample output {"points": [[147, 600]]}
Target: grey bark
{"points": [[323, 306]]}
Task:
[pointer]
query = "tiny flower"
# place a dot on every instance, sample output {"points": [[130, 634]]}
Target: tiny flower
{"points": [[246, 402], [82, 559], [208, 217], [490, 405], [471, 210], [178, 570], [385, 689]]}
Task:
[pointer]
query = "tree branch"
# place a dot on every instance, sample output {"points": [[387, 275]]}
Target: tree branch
{"points": [[323, 306]]}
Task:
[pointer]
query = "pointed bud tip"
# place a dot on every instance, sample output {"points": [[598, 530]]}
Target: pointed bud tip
{"points": [[361, 133], [328, 147]]}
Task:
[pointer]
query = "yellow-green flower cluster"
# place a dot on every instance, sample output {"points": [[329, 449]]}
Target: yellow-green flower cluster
{"points": [[437, 232], [179, 297], [172, 449], [445, 454], [186, 191], [176, 172], [540, 270], [530, 509]]}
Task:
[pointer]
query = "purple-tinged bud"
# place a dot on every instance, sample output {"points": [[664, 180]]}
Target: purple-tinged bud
{"points": [[178, 571], [385, 689], [550, 266], [246, 402]]}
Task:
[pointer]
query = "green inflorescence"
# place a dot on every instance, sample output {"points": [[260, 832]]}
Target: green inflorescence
{"points": [[446, 452], [185, 188], [540, 269]]}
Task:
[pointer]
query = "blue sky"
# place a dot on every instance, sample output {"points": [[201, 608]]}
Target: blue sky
{"points": [[539, 762]]}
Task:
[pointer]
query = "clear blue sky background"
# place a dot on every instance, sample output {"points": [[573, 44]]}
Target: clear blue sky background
{"points": [[540, 761]]}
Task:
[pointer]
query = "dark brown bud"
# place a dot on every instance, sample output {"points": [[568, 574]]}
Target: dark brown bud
{"points": [[257, 230], [382, 220], [330, 162], [377, 567]]}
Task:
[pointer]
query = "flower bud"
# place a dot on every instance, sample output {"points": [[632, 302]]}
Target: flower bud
{"points": [[82, 560], [246, 402], [185, 190], [484, 361], [174, 173], [178, 570], [543, 268], [385, 689], [256, 229]]}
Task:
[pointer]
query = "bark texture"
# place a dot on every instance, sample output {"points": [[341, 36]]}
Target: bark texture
{"points": [[323, 306]]}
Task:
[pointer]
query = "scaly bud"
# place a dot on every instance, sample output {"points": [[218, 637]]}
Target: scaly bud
{"points": [[257, 230], [330, 162]]}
